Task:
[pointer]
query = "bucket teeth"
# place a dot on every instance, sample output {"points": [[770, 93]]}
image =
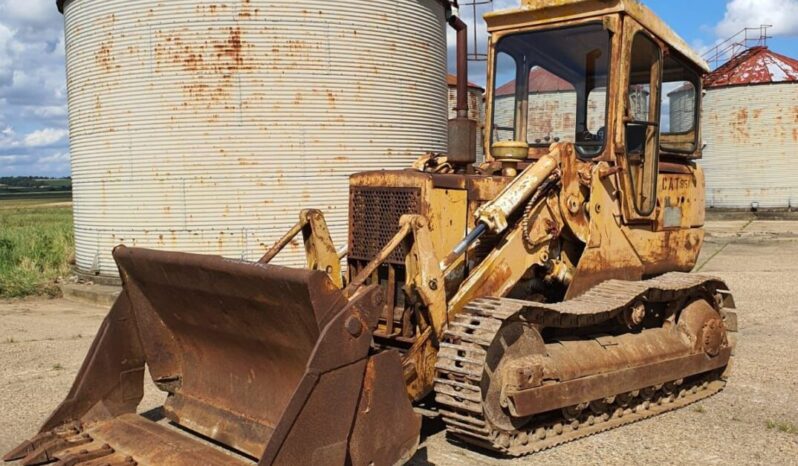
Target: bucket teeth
{"points": [[83, 456], [28, 446], [45, 438], [67, 447], [45, 447], [113, 461]]}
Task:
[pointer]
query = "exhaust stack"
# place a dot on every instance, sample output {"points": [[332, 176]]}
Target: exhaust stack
{"points": [[462, 130]]}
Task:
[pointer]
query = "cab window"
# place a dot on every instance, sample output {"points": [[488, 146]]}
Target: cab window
{"points": [[642, 122], [680, 107], [550, 86]]}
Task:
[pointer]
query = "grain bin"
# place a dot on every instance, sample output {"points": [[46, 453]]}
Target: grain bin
{"points": [[750, 128], [681, 109], [476, 110], [205, 126]]}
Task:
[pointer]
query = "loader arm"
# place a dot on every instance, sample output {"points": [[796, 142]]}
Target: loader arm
{"points": [[506, 265], [319, 247], [524, 245]]}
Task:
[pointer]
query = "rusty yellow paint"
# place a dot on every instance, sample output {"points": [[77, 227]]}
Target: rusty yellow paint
{"points": [[505, 266], [425, 277], [574, 195], [425, 280], [538, 12], [320, 253], [495, 213], [581, 232], [608, 254], [447, 219]]}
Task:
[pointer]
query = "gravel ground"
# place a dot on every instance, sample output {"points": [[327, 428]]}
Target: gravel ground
{"points": [[43, 342]]}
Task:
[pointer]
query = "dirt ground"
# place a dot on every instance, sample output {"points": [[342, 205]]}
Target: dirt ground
{"points": [[753, 421]]}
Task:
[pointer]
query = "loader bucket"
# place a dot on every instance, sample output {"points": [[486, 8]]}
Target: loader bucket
{"points": [[272, 363]]}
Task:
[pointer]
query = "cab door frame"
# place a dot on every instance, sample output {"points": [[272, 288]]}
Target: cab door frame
{"points": [[639, 197]]}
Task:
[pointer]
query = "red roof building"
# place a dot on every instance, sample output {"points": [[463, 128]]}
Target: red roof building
{"points": [[451, 81], [757, 65], [540, 80]]}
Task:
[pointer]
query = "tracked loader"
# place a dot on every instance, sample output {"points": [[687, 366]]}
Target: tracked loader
{"points": [[538, 298]]}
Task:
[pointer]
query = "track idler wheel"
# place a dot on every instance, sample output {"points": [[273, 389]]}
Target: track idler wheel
{"points": [[701, 326]]}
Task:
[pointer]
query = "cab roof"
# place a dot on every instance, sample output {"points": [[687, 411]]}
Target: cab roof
{"points": [[534, 12]]}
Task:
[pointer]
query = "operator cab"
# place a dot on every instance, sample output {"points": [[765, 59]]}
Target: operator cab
{"points": [[608, 77]]}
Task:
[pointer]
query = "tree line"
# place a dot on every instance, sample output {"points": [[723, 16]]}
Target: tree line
{"points": [[45, 183]]}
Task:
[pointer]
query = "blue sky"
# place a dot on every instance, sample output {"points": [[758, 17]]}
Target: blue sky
{"points": [[33, 116], [703, 22]]}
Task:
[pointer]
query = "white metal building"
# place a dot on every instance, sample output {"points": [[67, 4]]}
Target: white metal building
{"points": [[681, 111], [750, 128], [206, 126]]}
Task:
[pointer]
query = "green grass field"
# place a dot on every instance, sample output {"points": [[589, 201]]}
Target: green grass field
{"points": [[36, 243]]}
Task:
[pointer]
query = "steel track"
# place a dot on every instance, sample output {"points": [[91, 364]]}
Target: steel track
{"points": [[462, 367]]}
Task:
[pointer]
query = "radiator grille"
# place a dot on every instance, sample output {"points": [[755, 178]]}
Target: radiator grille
{"points": [[374, 220]]}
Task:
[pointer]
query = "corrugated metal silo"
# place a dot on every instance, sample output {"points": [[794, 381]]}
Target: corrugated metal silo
{"points": [[681, 111], [476, 110], [750, 128], [205, 126]]}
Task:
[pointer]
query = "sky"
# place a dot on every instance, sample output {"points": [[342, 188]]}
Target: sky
{"points": [[34, 136]]}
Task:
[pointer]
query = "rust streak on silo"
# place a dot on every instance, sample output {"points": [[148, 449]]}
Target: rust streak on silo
{"points": [[178, 108]]}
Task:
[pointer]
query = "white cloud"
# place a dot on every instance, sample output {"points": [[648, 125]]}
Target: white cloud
{"points": [[8, 137], [10, 160], [781, 14], [10, 141], [6, 36], [33, 114], [29, 12], [702, 47], [45, 137], [55, 158], [56, 163], [45, 112]]}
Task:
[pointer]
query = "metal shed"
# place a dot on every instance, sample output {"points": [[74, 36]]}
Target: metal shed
{"points": [[205, 126], [750, 128], [681, 109]]}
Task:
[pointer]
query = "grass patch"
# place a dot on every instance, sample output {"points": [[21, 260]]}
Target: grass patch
{"points": [[782, 426], [27, 199], [36, 244], [10, 340], [57, 367]]}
